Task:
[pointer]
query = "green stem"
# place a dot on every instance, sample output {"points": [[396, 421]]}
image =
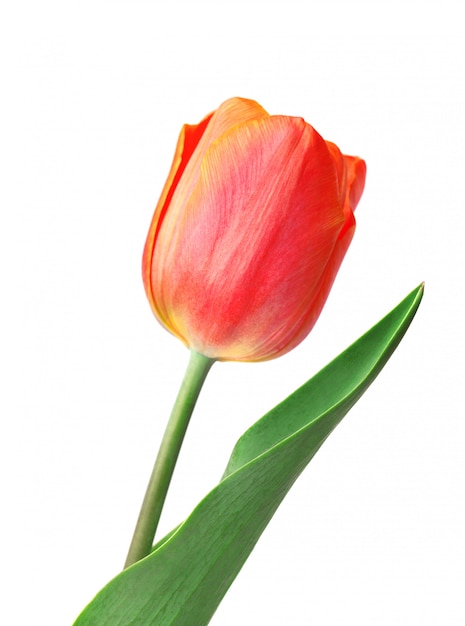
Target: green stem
{"points": [[165, 462]]}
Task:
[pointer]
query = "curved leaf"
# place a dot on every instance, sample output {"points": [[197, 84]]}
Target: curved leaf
{"points": [[184, 579]]}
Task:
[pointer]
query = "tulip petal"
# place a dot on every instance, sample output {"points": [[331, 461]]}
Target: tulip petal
{"points": [[192, 144], [356, 174], [187, 143], [261, 223], [351, 173], [351, 176], [228, 116], [339, 164]]}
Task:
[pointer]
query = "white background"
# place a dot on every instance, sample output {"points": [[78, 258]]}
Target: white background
{"points": [[93, 97]]}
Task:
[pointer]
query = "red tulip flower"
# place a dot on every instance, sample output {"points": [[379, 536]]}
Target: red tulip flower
{"points": [[249, 233], [251, 228]]}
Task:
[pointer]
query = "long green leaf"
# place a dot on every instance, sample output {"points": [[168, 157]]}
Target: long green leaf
{"points": [[184, 579]]}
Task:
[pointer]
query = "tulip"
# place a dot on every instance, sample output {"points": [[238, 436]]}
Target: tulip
{"points": [[249, 233]]}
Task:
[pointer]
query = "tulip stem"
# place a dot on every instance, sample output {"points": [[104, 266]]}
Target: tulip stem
{"points": [[165, 462]]}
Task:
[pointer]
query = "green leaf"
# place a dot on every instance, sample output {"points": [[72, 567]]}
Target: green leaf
{"points": [[187, 574]]}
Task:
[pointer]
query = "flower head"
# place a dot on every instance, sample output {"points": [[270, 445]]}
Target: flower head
{"points": [[249, 233]]}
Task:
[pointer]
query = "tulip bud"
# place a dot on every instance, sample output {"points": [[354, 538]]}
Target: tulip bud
{"points": [[249, 233]]}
